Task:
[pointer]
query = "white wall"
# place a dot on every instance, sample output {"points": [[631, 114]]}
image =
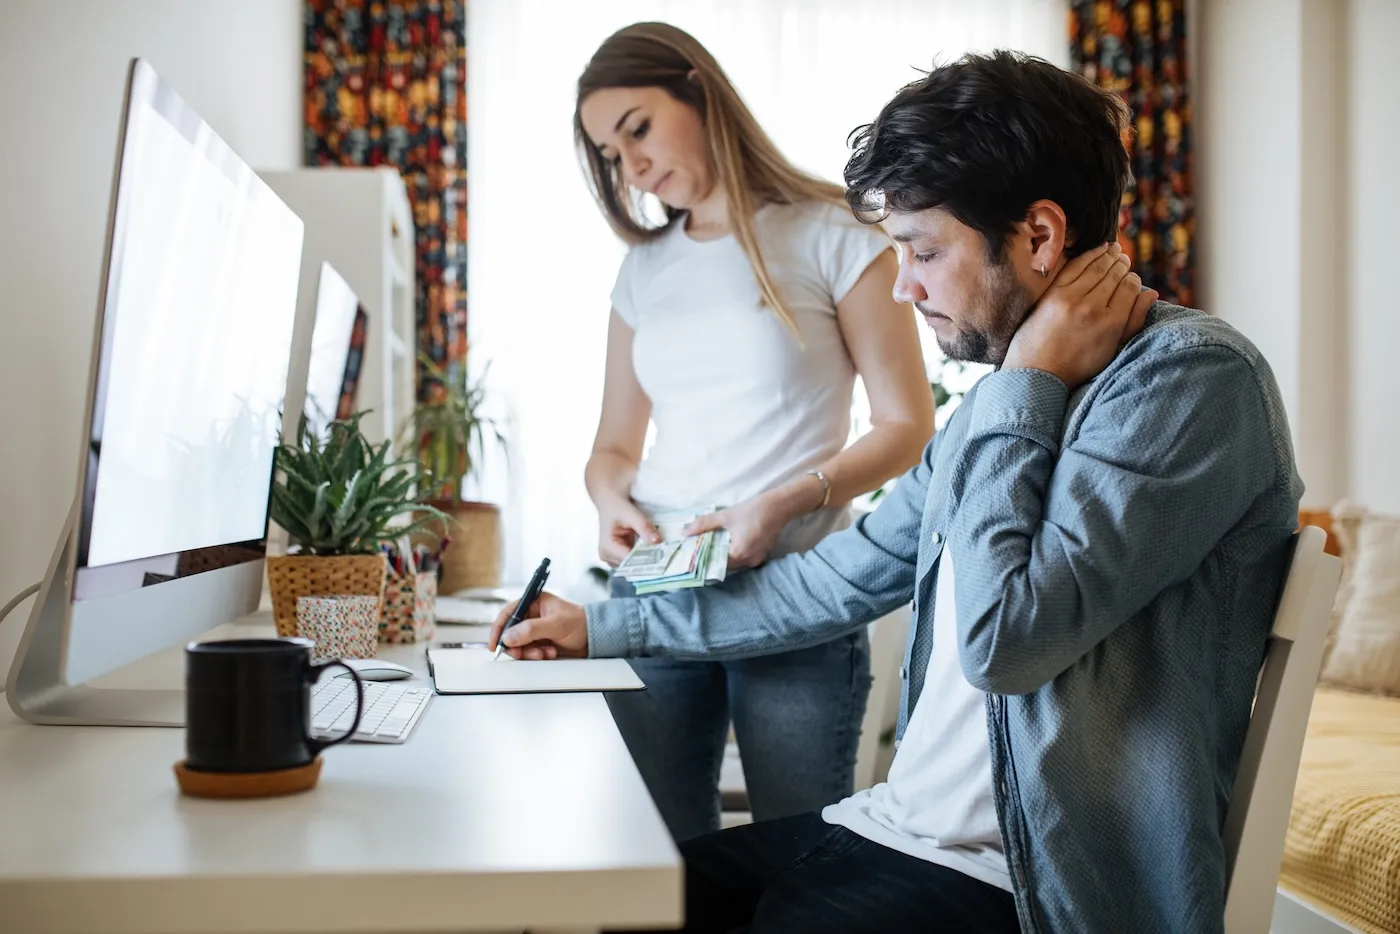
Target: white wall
{"points": [[1322, 405], [1298, 125], [1373, 250], [62, 65], [1248, 158]]}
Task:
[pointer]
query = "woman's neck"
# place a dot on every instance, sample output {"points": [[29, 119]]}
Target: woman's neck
{"points": [[708, 219]]}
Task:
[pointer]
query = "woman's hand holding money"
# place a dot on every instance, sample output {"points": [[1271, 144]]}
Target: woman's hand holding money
{"points": [[620, 526], [754, 526]]}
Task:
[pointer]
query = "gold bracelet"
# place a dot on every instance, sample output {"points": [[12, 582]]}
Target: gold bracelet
{"points": [[826, 487]]}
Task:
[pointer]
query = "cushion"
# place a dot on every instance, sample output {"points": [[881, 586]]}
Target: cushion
{"points": [[1364, 647]]}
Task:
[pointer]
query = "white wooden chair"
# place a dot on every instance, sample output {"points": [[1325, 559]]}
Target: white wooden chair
{"points": [[1257, 820]]}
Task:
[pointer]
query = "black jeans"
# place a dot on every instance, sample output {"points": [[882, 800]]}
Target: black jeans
{"points": [[801, 875]]}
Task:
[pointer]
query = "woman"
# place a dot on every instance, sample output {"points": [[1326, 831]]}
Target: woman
{"points": [[738, 327]]}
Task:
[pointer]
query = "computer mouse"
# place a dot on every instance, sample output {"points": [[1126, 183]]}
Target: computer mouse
{"points": [[376, 669]]}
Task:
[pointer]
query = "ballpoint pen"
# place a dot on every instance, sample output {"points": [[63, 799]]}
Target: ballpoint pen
{"points": [[527, 600]]}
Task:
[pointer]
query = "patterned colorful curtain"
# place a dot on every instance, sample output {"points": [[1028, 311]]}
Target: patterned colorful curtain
{"points": [[1137, 48], [386, 85]]}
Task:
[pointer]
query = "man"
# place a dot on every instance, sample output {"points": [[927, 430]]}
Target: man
{"points": [[1093, 547]]}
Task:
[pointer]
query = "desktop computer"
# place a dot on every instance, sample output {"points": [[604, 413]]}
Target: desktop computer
{"points": [[167, 533]]}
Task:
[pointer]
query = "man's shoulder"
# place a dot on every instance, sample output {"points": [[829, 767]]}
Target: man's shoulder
{"points": [[1185, 352], [1185, 359], [1174, 329], [1194, 353]]}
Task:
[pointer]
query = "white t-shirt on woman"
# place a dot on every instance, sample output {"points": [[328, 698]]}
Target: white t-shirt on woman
{"points": [[740, 406]]}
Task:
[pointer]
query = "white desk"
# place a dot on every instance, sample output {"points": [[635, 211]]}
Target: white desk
{"points": [[499, 814]]}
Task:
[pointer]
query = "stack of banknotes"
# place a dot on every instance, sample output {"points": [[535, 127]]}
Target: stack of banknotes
{"points": [[678, 560]]}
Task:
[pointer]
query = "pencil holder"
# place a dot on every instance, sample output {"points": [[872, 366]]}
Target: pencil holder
{"points": [[410, 607]]}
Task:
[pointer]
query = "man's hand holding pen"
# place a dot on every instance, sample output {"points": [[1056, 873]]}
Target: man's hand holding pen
{"points": [[551, 628]]}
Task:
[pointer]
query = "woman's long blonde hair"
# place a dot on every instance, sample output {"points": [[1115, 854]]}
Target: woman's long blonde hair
{"points": [[745, 162]]}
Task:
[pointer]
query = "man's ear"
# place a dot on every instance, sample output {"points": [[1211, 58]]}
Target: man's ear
{"points": [[1047, 237]]}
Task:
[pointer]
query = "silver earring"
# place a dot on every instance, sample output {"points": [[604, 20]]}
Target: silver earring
{"points": [[1043, 271]]}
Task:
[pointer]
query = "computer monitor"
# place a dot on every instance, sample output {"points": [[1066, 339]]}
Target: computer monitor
{"points": [[167, 533], [333, 369]]}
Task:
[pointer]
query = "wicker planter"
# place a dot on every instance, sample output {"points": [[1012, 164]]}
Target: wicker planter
{"points": [[474, 559], [292, 576]]}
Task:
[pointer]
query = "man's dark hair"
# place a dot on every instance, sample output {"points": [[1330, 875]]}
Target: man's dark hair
{"points": [[986, 136]]}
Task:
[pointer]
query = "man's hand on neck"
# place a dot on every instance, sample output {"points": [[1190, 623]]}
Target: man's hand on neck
{"points": [[1094, 306]]}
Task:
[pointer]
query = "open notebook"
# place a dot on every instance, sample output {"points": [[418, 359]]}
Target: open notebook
{"points": [[474, 671]]}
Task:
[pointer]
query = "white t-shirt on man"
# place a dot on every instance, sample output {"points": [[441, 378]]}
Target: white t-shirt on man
{"points": [[740, 406], [937, 804]]}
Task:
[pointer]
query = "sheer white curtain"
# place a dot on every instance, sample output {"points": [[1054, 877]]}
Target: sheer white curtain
{"points": [[542, 260]]}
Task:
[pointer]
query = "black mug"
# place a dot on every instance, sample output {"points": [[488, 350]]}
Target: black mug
{"points": [[248, 705]]}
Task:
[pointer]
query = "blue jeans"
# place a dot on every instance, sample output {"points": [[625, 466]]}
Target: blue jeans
{"points": [[796, 717], [801, 874]]}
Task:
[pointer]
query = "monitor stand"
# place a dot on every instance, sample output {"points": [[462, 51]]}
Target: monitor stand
{"points": [[38, 690]]}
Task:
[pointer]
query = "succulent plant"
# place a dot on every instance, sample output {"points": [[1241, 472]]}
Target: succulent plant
{"points": [[340, 495]]}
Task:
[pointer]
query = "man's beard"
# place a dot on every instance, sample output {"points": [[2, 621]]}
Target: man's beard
{"points": [[1005, 305]]}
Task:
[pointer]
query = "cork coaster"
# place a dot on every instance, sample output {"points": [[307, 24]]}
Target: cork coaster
{"points": [[247, 784]]}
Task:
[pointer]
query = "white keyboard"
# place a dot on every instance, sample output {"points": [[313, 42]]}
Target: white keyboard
{"points": [[391, 712]]}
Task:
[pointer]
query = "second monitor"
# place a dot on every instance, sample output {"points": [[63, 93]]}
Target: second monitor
{"points": [[337, 350]]}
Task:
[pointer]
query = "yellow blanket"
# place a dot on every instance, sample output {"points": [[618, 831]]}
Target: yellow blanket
{"points": [[1343, 846]]}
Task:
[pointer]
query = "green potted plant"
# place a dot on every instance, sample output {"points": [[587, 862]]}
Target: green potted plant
{"points": [[339, 499], [449, 430]]}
